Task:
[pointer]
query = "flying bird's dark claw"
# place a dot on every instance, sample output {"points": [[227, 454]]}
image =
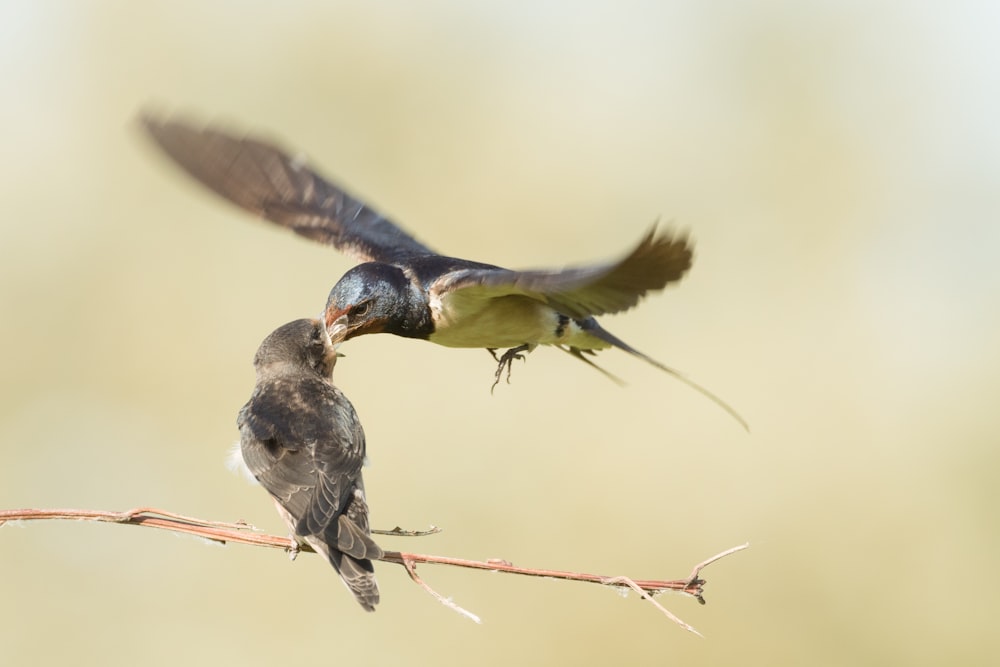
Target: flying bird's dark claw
{"points": [[507, 360]]}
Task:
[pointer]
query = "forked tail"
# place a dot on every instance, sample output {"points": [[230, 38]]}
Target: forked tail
{"points": [[597, 331]]}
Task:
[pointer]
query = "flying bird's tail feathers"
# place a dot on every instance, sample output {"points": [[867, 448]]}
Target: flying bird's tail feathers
{"points": [[579, 354], [591, 326]]}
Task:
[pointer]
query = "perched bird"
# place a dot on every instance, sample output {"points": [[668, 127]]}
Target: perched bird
{"points": [[405, 288], [302, 440]]}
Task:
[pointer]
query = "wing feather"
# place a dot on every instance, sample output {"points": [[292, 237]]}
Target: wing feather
{"points": [[581, 292], [265, 180]]}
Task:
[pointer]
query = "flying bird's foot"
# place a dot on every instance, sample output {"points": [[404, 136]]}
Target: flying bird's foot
{"points": [[506, 360]]}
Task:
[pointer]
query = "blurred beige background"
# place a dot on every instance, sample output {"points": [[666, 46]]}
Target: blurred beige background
{"points": [[839, 167]]}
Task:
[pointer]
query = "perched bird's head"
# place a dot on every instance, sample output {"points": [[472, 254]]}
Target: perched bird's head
{"points": [[298, 345], [374, 297]]}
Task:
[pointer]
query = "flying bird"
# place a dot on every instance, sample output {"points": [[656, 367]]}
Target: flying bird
{"points": [[403, 287], [301, 439]]}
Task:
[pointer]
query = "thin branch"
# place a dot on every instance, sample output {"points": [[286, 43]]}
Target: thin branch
{"points": [[411, 569], [244, 533], [708, 561], [617, 581], [400, 532]]}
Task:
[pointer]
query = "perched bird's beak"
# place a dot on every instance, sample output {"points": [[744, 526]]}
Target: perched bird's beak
{"points": [[330, 358]]}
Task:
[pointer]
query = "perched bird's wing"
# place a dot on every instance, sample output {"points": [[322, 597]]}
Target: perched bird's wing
{"points": [[306, 450], [267, 181], [338, 456], [579, 292], [353, 531]]}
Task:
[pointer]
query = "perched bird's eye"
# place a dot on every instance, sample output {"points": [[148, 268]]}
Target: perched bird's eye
{"points": [[361, 309]]}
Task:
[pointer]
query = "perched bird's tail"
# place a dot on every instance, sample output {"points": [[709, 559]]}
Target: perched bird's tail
{"points": [[358, 574], [591, 327], [350, 550]]}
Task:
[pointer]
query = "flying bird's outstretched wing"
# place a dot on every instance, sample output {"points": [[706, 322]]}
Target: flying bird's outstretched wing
{"points": [[265, 180], [583, 291]]}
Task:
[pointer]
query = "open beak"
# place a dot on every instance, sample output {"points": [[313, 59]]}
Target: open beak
{"points": [[336, 326], [332, 317], [330, 358]]}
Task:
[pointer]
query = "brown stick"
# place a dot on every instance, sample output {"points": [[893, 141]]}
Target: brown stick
{"points": [[244, 533]]}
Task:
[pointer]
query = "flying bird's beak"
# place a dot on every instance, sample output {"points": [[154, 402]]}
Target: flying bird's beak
{"points": [[336, 328], [351, 329], [334, 318]]}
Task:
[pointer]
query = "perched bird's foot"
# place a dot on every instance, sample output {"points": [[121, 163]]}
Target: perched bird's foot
{"points": [[506, 360], [293, 551]]}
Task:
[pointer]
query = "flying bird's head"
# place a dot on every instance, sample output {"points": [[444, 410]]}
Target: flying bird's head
{"points": [[298, 345], [374, 298]]}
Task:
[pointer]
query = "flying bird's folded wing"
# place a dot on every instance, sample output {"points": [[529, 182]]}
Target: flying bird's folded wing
{"points": [[265, 180], [583, 291]]}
